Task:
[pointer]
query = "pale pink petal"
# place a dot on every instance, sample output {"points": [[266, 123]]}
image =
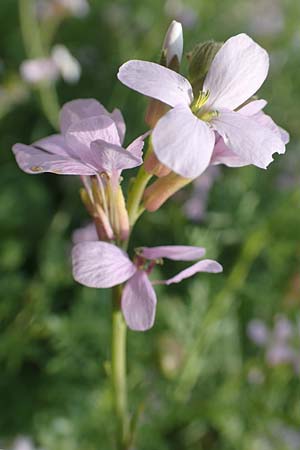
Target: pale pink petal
{"points": [[76, 110], [266, 121], [253, 143], [223, 155], [238, 70], [81, 134], [207, 265], [118, 118], [182, 142], [176, 252], [54, 144], [253, 107], [33, 160], [100, 264], [139, 302], [111, 157], [136, 146], [86, 233], [156, 81]]}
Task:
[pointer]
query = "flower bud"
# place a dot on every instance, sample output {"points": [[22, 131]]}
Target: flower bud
{"points": [[171, 56], [156, 109], [200, 59], [162, 189], [121, 225], [154, 166], [173, 46]]}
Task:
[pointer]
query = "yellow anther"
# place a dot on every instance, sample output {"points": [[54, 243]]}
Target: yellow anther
{"points": [[200, 101], [36, 168]]}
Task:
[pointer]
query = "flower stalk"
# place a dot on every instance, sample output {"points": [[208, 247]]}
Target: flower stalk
{"points": [[118, 370]]}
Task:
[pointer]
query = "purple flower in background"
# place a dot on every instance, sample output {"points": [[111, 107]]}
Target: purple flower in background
{"points": [[281, 344], [90, 143], [258, 332], [184, 14], [103, 265], [185, 137], [195, 206]]}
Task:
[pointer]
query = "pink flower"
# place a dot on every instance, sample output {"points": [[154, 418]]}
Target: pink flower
{"points": [[184, 138], [103, 265], [90, 143]]}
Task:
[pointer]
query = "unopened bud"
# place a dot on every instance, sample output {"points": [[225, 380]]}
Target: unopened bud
{"points": [[85, 198], [173, 46], [200, 59], [156, 109], [101, 220], [154, 166], [162, 189], [121, 225], [171, 56]]}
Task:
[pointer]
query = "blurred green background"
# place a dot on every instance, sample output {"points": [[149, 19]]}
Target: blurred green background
{"points": [[220, 369]]}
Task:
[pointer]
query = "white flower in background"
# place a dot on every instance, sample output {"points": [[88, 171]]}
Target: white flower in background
{"points": [[23, 443], [35, 71], [78, 8], [68, 66], [49, 8], [60, 63]]}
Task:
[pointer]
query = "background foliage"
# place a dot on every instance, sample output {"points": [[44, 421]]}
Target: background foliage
{"points": [[206, 385]]}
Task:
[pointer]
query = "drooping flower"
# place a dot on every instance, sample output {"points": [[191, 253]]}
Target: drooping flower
{"points": [[90, 143], [103, 265], [184, 138]]}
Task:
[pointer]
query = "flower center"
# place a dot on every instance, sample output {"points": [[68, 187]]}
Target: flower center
{"points": [[198, 109], [145, 264]]}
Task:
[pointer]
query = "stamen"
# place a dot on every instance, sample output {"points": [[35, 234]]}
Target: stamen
{"points": [[200, 101]]}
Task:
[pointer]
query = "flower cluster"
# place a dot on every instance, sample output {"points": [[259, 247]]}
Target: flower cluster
{"points": [[281, 343], [213, 118]]}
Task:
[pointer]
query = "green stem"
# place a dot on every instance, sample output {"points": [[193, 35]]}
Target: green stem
{"points": [[136, 194], [118, 370], [31, 35]]}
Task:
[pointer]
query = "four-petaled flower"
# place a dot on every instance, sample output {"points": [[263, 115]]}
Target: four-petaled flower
{"points": [[185, 137], [90, 143], [103, 265]]}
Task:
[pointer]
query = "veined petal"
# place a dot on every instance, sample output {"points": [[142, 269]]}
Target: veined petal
{"points": [[238, 70], [182, 142], [156, 81], [81, 134], [253, 143], [54, 144], [110, 158], [118, 118], [136, 146], [76, 110], [139, 302], [266, 121], [207, 265], [175, 252], [223, 155], [100, 264], [34, 160]]}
